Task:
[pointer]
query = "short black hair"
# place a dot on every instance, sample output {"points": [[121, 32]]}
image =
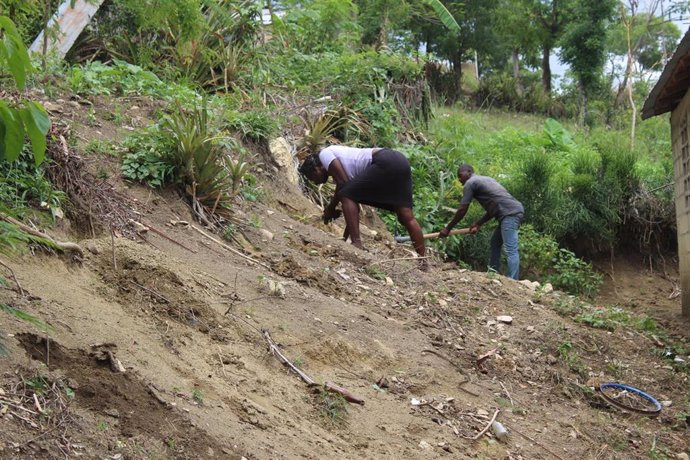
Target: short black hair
{"points": [[310, 164], [466, 167]]}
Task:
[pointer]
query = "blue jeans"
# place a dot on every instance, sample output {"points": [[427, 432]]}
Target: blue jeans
{"points": [[506, 235]]}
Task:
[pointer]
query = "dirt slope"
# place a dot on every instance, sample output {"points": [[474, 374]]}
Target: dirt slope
{"points": [[186, 325]]}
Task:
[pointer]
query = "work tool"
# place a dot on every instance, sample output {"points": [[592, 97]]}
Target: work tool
{"points": [[426, 236]]}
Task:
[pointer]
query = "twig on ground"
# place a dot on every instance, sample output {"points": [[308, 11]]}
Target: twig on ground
{"points": [[64, 246], [220, 358], [273, 349], [112, 246], [538, 444], [160, 233], [150, 291], [376, 262], [507, 394], [229, 248], [486, 428], [14, 277]]}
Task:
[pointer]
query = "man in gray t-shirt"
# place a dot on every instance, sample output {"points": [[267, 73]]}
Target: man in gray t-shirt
{"points": [[497, 203]]}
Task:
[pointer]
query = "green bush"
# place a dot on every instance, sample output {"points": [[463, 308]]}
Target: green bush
{"points": [[256, 125], [574, 275]]}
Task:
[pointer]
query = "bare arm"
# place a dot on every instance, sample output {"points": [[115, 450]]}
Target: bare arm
{"points": [[335, 170], [459, 214]]}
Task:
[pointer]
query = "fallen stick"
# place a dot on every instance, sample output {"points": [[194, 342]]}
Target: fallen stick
{"points": [[486, 428], [399, 258], [330, 386], [150, 291], [538, 444], [486, 356], [160, 233], [37, 404], [62, 245], [14, 277], [275, 352], [231, 249]]}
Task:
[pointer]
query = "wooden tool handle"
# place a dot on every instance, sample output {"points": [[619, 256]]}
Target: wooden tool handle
{"points": [[457, 231]]}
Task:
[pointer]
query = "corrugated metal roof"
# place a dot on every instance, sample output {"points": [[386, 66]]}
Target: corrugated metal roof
{"points": [[673, 82]]}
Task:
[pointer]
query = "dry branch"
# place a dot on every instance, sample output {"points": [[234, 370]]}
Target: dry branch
{"points": [[273, 349], [234, 251], [64, 246], [486, 428]]}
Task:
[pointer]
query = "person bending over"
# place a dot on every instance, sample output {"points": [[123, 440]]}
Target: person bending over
{"points": [[376, 177], [497, 203]]}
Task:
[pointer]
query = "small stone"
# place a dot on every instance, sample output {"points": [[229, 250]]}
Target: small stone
{"points": [[114, 413], [92, 248], [210, 452], [572, 434], [551, 359], [682, 456], [527, 283], [504, 319], [266, 235], [442, 303], [482, 412], [425, 445], [389, 281], [547, 288], [497, 282], [667, 403]]}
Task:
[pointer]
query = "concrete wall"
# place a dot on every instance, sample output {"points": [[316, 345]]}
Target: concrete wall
{"points": [[680, 135]]}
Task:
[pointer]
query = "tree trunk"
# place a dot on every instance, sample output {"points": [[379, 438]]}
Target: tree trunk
{"points": [[546, 69], [456, 87], [516, 72], [382, 41]]}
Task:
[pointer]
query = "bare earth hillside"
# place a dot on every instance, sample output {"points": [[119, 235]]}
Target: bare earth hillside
{"points": [[159, 348]]}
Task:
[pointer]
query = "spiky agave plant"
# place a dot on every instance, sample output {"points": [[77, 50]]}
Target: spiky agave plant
{"points": [[200, 163], [330, 127]]}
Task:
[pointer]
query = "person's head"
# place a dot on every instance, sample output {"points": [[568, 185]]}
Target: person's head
{"points": [[313, 170], [465, 171]]}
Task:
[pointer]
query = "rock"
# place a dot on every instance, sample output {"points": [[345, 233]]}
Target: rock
{"points": [[682, 456], [482, 412], [282, 154], [210, 452], [389, 281], [547, 288], [266, 235], [667, 403], [527, 283], [505, 319], [497, 282], [114, 413], [551, 359], [442, 303], [425, 445], [92, 248]]}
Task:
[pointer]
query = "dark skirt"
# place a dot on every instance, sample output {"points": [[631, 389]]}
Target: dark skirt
{"points": [[385, 184]]}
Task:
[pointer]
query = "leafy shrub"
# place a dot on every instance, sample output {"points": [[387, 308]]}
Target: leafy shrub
{"points": [[253, 124], [574, 275], [23, 185], [147, 167], [123, 79]]}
